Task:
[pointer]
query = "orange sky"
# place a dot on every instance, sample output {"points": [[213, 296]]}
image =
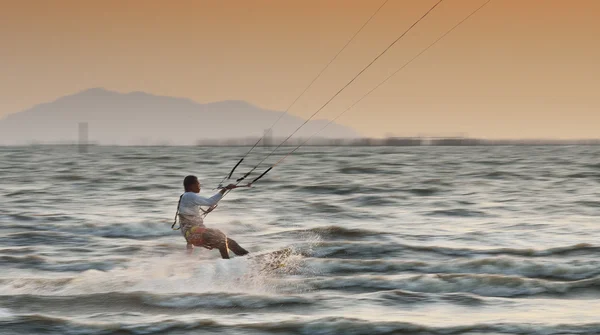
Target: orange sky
{"points": [[517, 69]]}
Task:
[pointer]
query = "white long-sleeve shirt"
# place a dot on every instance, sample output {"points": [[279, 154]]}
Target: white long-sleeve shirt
{"points": [[191, 202]]}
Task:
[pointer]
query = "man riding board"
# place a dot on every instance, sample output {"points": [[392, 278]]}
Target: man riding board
{"points": [[192, 223]]}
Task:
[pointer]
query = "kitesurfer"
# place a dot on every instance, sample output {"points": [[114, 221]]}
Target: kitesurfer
{"points": [[192, 223]]}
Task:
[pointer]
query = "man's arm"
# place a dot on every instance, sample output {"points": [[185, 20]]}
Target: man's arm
{"points": [[202, 201]]}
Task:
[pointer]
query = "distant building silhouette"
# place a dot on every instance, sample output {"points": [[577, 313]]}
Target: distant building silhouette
{"points": [[268, 138], [456, 141], [402, 141], [83, 137]]}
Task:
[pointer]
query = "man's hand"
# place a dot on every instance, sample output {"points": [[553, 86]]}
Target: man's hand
{"points": [[231, 187]]}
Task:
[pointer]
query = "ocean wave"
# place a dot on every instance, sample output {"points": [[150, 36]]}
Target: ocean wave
{"points": [[482, 285], [129, 300], [407, 297], [27, 193], [353, 326], [423, 192], [133, 157], [501, 175], [583, 175], [70, 177], [575, 270], [338, 212], [27, 260], [332, 232], [145, 187], [224, 300], [43, 218], [494, 162], [45, 264], [594, 166], [332, 189], [373, 201], [45, 324], [19, 250], [363, 250], [14, 285], [594, 204], [5, 314], [326, 208], [337, 231], [22, 217], [457, 212], [360, 170], [139, 231], [42, 238]]}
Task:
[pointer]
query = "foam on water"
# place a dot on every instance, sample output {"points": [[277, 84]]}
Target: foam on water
{"points": [[5, 314]]}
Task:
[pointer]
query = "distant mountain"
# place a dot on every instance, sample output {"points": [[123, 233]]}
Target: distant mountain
{"points": [[141, 118]]}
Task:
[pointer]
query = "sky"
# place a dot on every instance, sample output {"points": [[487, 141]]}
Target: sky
{"points": [[516, 69]]}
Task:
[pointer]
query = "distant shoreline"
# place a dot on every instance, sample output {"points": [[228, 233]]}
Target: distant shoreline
{"points": [[362, 142]]}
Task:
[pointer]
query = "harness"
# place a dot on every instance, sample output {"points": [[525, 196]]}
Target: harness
{"points": [[204, 213], [198, 234]]}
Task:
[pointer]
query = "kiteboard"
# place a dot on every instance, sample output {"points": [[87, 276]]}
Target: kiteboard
{"points": [[271, 260]]}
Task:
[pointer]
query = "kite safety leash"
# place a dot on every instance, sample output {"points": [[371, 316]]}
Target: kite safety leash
{"points": [[176, 214]]}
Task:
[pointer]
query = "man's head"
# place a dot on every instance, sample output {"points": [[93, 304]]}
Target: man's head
{"points": [[191, 184]]}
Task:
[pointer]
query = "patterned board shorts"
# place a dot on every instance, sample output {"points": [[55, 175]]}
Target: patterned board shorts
{"points": [[194, 231], [205, 237]]}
